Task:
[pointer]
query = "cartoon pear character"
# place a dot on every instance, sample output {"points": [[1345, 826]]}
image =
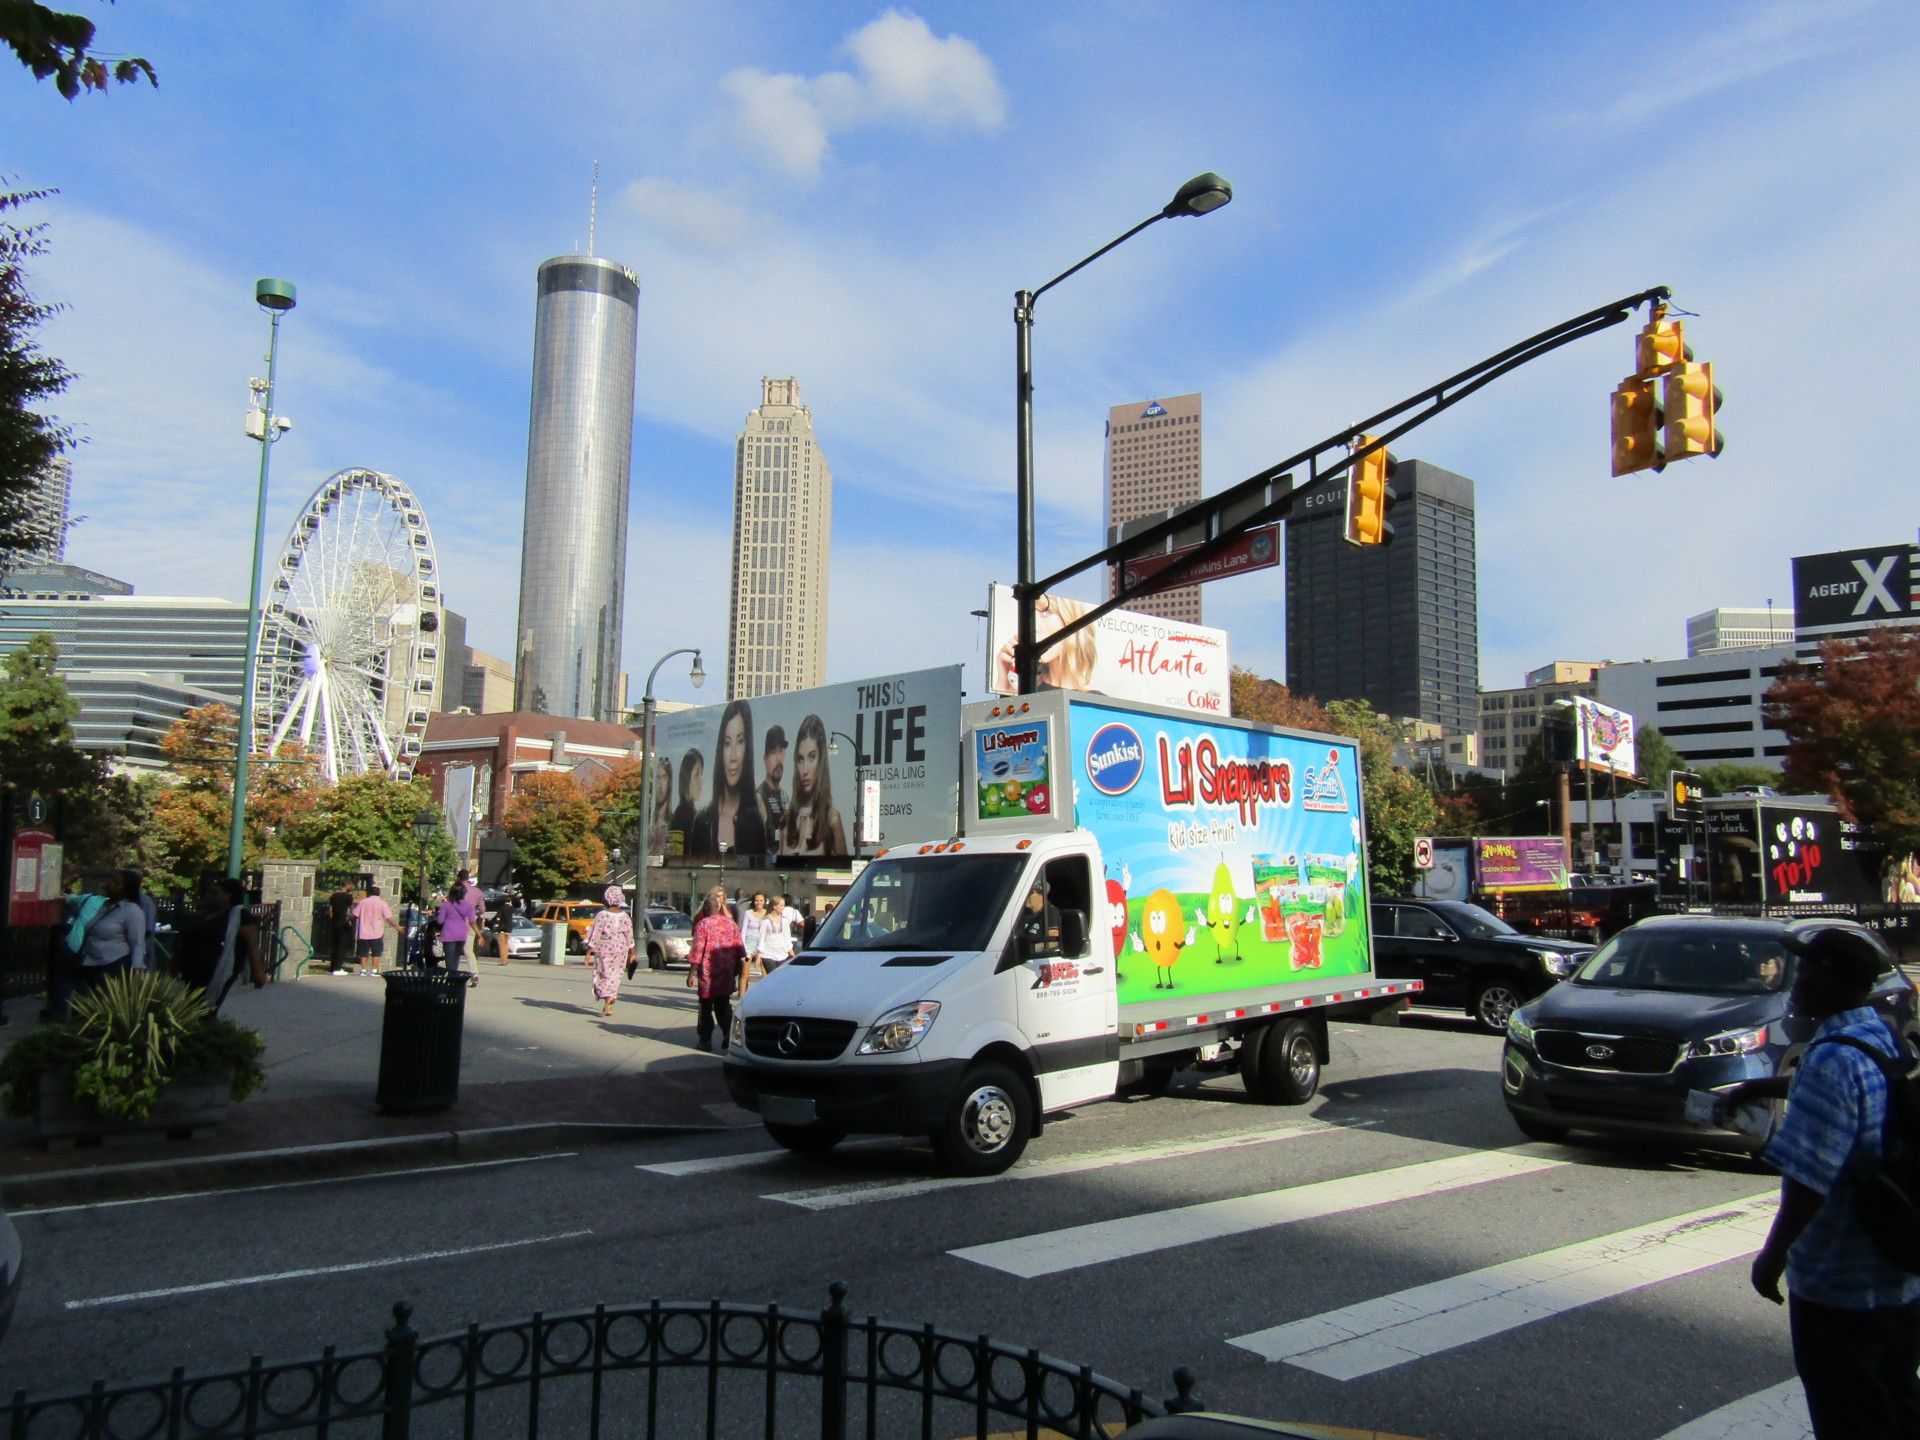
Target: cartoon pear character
{"points": [[1163, 931], [1223, 918]]}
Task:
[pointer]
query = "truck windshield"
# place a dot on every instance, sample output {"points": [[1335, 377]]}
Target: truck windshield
{"points": [[930, 902]]}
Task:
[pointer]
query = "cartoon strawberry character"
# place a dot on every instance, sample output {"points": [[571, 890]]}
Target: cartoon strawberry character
{"points": [[1037, 800]]}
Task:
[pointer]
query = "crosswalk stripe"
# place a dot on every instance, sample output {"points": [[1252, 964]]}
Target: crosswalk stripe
{"points": [[1777, 1413], [1392, 1330], [867, 1192], [1056, 1250], [747, 1159]]}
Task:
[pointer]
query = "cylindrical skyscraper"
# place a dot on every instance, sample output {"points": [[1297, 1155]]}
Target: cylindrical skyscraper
{"points": [[573, 552]]}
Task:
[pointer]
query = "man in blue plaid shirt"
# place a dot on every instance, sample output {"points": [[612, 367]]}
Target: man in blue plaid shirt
{"points": [[1855, 1317]]}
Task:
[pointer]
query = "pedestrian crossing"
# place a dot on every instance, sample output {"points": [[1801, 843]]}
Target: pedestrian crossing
{"points": [[1413, 1324], [1777, 1413]]}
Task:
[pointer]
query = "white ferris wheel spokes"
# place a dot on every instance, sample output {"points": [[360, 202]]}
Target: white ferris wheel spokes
{"points": [[350, 641]]}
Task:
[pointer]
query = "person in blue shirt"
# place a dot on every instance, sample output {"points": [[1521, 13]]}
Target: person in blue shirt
{"points": [[1855, 1317]]}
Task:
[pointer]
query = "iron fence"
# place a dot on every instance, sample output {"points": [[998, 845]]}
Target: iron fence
{"points": [[657, 1369]]}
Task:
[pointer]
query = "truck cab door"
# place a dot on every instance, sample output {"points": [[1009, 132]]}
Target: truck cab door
{"points": [[1067, 1004]]}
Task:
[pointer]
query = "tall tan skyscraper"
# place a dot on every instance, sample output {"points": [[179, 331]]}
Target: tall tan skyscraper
{"points": [[1153, 463], [782, 523]]}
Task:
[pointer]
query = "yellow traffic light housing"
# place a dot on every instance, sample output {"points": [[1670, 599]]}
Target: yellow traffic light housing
{"points": [[1661, 344], [1692, 407], [1636, 428], [1369, 495]]}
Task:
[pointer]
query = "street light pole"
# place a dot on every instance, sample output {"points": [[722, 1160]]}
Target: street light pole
{"points": [[276, 298], [643, 851], [834, 737], [1199, 196]]}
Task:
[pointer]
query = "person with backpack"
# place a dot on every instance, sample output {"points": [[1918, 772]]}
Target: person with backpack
{"points": [[1853, 1311], [113, 939]]}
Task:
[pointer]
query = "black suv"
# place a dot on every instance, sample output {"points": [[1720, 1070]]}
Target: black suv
{"points": [[1673, 1004], [1468, 957]]}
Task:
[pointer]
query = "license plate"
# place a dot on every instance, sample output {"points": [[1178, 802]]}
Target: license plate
{"points": [[787, 1110]]}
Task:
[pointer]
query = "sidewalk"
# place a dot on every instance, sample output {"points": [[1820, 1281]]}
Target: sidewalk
{"points": [[539, 1071]]}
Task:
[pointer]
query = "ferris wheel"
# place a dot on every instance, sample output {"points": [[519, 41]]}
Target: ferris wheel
{"points": [[350, 644]]}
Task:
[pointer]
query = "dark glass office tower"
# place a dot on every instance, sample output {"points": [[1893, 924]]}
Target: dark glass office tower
{"points": [[1396, 625]]}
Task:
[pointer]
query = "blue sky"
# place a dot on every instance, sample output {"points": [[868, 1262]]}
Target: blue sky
{"points": [[851, 194]]}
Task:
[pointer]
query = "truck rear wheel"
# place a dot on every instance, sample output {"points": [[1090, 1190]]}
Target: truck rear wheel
{"points": [[989, 1124], [1280, 1065]]}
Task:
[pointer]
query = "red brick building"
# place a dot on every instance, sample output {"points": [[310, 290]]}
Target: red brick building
{"points": [[501, 748]]}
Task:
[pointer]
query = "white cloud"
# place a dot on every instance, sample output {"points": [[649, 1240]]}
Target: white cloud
{"points": [[908, 76], [697, 219]]}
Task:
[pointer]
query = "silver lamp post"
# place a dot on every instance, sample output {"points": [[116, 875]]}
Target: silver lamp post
{"points": [[860, 837], [643, 849], [276, 298]]}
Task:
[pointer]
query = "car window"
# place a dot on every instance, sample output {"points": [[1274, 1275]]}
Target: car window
{"points": [[1698, 961], [1477, 923], [1417, 924], [1382, 920], [670, 924]]}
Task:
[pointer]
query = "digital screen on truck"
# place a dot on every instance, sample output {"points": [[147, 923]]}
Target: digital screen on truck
{"points": [[1234, 857]]}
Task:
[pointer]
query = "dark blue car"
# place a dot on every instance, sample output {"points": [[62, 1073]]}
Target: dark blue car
{"points": [[1670, 1005]]}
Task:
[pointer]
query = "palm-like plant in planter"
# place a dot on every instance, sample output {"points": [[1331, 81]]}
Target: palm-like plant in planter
{"points": [[127, 1040]]}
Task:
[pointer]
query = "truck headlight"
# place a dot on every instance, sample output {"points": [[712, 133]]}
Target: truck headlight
{"points": [[1518, 1031], [901, 1028], [1734, 1042], [1558, 963]]}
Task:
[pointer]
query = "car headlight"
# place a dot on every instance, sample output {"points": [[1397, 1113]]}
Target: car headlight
{"points": [[1734, 1042], [1557, 963], [737, 1034], [901, 1028], [1519, 1031]]}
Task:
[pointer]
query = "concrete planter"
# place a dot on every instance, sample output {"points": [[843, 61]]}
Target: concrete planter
{"points": [[186, 1109]]}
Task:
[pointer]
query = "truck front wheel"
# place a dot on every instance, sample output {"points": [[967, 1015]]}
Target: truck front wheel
{"points": [[989, 1124], [1279, 1065]]}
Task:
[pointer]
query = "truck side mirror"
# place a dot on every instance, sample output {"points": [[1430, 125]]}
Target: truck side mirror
{"points": [[1073, 933]]}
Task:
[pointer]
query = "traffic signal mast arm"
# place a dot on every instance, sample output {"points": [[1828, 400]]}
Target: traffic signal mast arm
{"points": [[1262, 498]]}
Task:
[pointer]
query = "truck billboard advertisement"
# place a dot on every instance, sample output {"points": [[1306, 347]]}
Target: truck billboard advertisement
{"points": [[1124, 654], [781, 775], [1520, 862], [1234, 856]]}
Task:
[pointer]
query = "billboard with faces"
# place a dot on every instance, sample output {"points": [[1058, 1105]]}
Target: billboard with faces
{"points": [[778, 777]]}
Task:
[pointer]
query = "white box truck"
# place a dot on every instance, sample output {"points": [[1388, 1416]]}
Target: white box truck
{"points": [[1132, 891]]}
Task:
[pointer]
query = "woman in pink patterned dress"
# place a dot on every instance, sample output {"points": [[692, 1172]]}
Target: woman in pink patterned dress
{"points": [[716, 964], [610, 948]]}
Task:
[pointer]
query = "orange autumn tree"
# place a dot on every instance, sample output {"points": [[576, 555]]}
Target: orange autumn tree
{"points": [[552, 823]]}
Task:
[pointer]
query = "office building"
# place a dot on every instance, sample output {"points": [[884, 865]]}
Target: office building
{"points": [[1738, 629], [1509, 719], [782, 528], [56, 580], [1706, 706], [573, 553], [486, 683], [1845, 593], [51, 511], [126, 712], [1396, 625], [1153, 464], [202, 641]]}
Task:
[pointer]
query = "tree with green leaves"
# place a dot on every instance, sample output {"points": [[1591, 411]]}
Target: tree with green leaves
{"points": [[616, 799], [30, 439], [370, 817], [554, 828], [1400, 808], [1731, 775], [1654, 757], [59, 43], [195, 810]]}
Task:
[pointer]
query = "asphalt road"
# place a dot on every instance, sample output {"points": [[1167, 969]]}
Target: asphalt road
{"points": [[1403, 1174]]}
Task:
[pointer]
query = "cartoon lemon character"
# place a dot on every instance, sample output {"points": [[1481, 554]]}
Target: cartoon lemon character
{"points": [[1163, 931], [1223, 918]]}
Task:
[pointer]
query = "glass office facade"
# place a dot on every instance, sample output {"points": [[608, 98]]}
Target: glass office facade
{"points": [[1395, 625], [573, 553]]}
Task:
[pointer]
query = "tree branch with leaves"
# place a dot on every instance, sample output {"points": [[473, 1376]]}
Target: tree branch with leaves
{"points": [[59, 43]]}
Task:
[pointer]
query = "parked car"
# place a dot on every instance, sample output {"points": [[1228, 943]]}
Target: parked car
{"points": [[523, 939], [1672, 1004], [9, 1271], [579, 917], [669, 936], [1467, 957]]}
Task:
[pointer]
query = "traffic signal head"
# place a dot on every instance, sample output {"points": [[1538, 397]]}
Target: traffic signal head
{"points": [[1636, 428], [1369, 495], [1661, 344], [1692, 412]]}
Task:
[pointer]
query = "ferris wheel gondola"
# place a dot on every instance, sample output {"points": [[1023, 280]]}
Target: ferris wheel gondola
{"points": [[349, 643]]}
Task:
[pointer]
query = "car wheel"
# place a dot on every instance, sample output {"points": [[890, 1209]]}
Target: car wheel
{"points": [[655, 960], [815, 1139], [989, 1123], [575, 945], [1279, 1065], [1539, 1130], [1493, 1004]]}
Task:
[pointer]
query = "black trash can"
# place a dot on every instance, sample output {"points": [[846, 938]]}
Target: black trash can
{"points": [[420, 1041]]}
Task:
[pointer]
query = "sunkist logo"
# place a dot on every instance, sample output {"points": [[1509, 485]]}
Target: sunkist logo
{"points": [[1115, 759]]}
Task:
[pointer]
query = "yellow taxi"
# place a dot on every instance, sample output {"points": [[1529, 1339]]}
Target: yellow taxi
{"points": [[578, 915]]}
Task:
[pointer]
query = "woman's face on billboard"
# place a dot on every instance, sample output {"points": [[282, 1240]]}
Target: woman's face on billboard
{"points": [[696, 777], [806, 768], [733, 750]]}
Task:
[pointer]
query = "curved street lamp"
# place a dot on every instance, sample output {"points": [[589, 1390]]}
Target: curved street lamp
{"points": [[1201, 195], [834, 737], [643, 848]]}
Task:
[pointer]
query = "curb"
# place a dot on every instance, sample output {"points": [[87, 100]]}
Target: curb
{"points": [[306, 1162]]}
